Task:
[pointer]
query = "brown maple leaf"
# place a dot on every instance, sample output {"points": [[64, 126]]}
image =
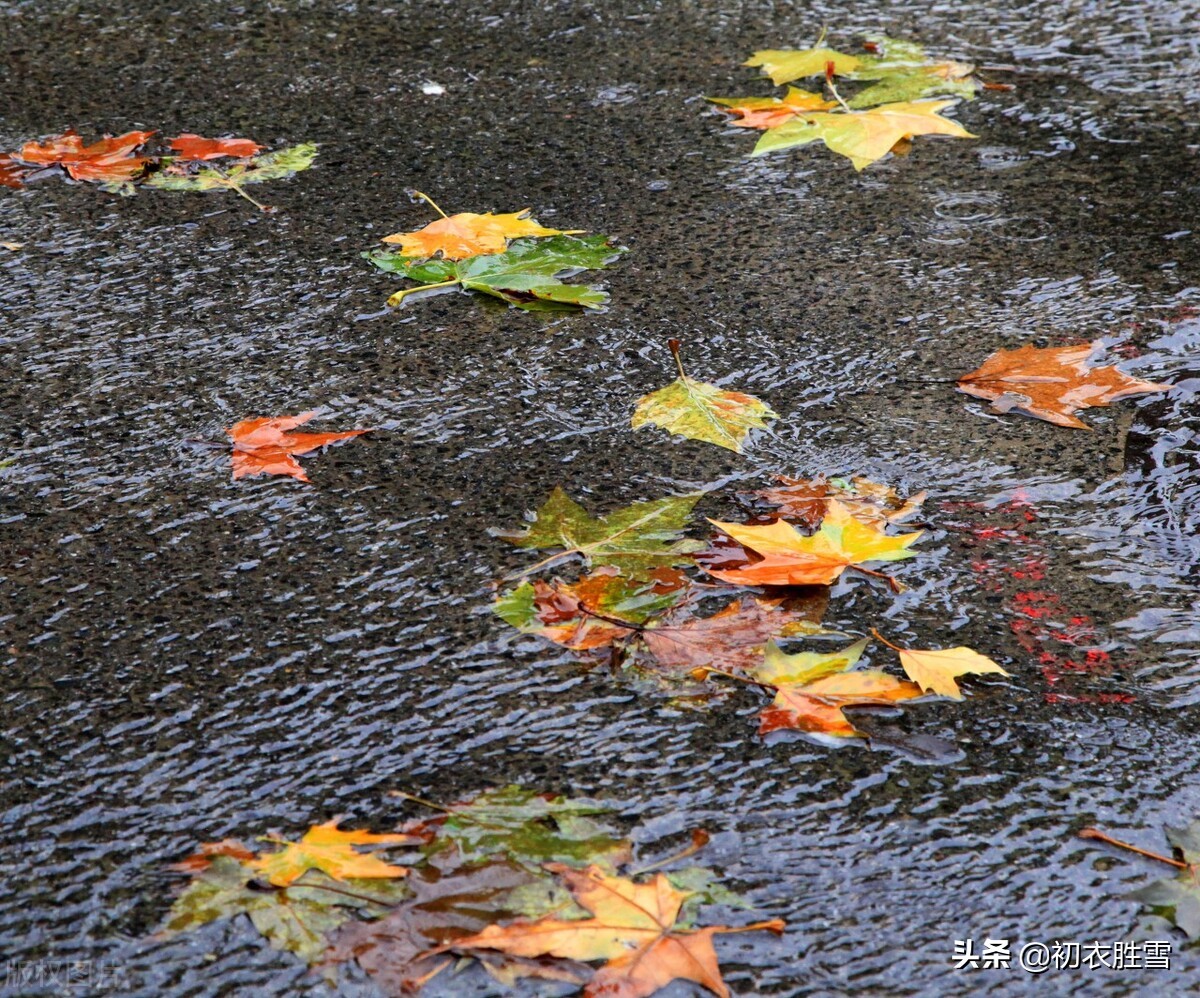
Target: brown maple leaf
{"points": [[110, 160], [632, 928], [806, 501], [12, 173], [731, 640], [1051, 383], [264, 447], [195, 148]]}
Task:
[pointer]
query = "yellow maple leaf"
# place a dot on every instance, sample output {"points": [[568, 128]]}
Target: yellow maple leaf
{"points": [[786, 65], [935, 670], [457, 237], [328, 848], [790, 558], [863, 137]]}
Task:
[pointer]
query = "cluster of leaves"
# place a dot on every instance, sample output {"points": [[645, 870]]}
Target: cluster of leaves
{"points": [[508, 256], [881, 117], [636, 609], [526, 884], [1052, 383], [119, 163]]}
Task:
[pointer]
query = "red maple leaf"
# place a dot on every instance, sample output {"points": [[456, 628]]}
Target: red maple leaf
{"points": [[111, 159], [189, 146], [263, 446]]}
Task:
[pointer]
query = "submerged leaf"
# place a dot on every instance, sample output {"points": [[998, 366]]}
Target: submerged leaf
{"points": [[1178, 899], [183, 175], [700, 411], [1051, 383], [805, 501], [636, 539], [863, 137]]}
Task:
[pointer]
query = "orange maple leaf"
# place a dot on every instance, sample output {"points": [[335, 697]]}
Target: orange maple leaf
{"points": [[1051, 383], [12, 173], [632, 928], [194, 148], [263, 447], [771, 112], [111, 159], [326, 847], [457, 237]]}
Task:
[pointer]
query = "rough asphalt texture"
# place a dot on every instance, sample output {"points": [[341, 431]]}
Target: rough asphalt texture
{"points": [[186, 658]]}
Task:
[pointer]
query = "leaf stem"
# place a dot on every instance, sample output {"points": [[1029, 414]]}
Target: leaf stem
{"points": [[1095, 833], [699, 841], [836, 96], [237, 188], [886, 641], [894, 584], [420, 800], [399, 296], [429, 201], [674, 346]]}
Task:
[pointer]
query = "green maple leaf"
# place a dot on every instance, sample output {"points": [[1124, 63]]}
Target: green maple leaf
{"points": [[256, 170], [297, 918], [531, 829], [636, 540], [700, 411], [1178, 899], [528, 274], [909, 86]]}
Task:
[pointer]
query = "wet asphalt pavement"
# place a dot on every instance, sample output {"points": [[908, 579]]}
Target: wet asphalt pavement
{"points": [[186, 658]]}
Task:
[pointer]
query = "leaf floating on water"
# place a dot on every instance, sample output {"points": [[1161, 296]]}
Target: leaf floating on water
{"points": [[786, 65], [633, 928], [771, 112], [863, 137], [110, 160], [191, 147], [700, 411], [466, 234], [790, 558], [331, 850], [184, 175], [935, 670], [636, 540], [812, 689], [1051, 383], [263, 446]]}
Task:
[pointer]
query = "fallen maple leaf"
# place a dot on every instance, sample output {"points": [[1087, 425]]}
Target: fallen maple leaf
{"points": [[527, 274], [181, 174], [466, 234], [111, 160], [771, 112], [330, 849], [812, 688], [1051, 383], [786, 65], [593, 612], [728, 641], [863, 137], [189, 146], [263, 447], [805, 501], [700, 411], [790, 558], [636, 539], [935, 670], [12, 172], [633, 928]]}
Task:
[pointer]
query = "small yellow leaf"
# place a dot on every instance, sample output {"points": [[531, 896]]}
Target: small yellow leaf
{"points": [[468, 234], [935, 670], [328, 848], [785, 65]]}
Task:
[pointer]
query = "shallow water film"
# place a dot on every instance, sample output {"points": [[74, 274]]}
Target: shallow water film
{"points": [[188, 658]]}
